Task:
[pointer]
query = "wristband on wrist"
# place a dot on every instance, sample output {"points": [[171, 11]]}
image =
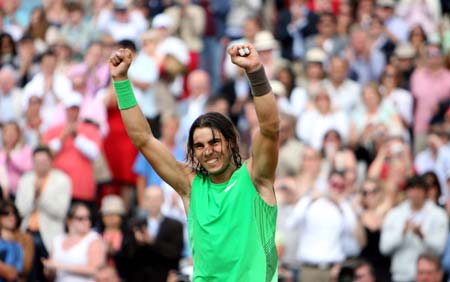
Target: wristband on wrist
{"points": [[259, 83], [125, 95]]}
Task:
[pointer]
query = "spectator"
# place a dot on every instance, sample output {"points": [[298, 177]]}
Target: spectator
{"points": [[430, 85], [381, 38], [404, 58], [154, 244], [327, 38], [49, 84], [396, 27], [8, 51], [112, 211], [345, 93], [268, 50], [401, 99], [315, 60], [418, 39], [121, 22], [15, 156], [43, 198], [10, 96], [314, 123], [414, 226], [9, 229], [426, 13], [434, 187], [27, 61], [76, 255], [429, 268], [436, 158], [366, 63], [38, 26], [75, 30], [144, 74], [295, 23], [324, 221], [76, 144], [189, 24], [373, 206], [364, 272], [11, 262], [291, 149]]}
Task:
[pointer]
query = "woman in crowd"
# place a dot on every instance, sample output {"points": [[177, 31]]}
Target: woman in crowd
{"points": [[373, 208], [9, 231], [78, 254], [15, 156]]}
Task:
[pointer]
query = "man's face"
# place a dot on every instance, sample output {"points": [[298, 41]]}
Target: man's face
{"points": [[428, 272], [362, 274], [211, 150], [42, 163], [153, 200], [416, 195]]}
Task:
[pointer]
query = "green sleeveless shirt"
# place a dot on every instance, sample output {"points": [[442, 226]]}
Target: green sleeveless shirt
{"points": [[231, 231]]}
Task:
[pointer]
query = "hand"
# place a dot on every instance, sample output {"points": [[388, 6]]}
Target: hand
{"points": [[119, 63], [250, 62], [49, 264], [142, 236]]}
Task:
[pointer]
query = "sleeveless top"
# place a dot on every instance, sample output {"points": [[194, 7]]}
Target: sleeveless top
{"points": [[231, 231], [75, 255]]}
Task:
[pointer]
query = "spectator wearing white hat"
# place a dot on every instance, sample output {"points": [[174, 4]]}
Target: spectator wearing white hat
{"points": [[112, 211], [405, 60], [76, 145], [268, 50]]}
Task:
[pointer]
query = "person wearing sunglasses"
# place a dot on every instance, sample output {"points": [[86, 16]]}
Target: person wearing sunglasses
{"points": [[76, 255], [325, 221], [374, 207]]}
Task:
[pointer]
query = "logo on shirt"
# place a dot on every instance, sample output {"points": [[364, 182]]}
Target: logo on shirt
{"points": [[230, 186]]}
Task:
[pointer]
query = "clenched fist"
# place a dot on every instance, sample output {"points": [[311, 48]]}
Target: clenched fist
{"points": [[245, 56], [119, 63]]}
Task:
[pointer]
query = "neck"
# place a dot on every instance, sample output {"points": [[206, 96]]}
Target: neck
{"points": [[155, 215], [337, 82], [7, 234]]}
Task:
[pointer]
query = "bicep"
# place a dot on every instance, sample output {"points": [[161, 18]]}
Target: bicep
{"points": [[176, 174], [97, 254]]}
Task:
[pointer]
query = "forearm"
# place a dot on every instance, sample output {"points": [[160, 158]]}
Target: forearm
{"points": [[135, 123], [265, 103], [7, 272]]}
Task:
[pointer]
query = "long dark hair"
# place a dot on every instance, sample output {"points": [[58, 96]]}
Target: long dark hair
{"points": [[215, 121]]}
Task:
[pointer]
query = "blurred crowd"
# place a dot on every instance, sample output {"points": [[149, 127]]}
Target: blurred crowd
{"points": [[363, 90]]}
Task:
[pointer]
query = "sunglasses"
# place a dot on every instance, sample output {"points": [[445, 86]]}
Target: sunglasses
{"points": [[6, 213], [367, 192], [81, 218]]}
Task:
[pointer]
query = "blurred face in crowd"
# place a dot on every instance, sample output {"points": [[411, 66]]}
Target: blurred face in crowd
{"points": [[10, 135], [338, 69], [371, 98], [390, 76], [337, 183], [384, 12], [323, 102], [93, 55], [359, 41], [8, 219], [311, 161], [153, 200], [417, 196], [7, 80], [285, 77], [170, 127], [314, 70], [371, 194], [417, 36], [250, 28], [48, 64], [42, 163], [428, 271], [72, 114], [34, 107], [433, 192], [285, 129], [80, 221], [363, 274], [198, 83], [327, 25], [434, 56]]}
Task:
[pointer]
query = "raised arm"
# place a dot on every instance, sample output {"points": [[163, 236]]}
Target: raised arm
{"points": [[176, 174], [264, 155]]}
